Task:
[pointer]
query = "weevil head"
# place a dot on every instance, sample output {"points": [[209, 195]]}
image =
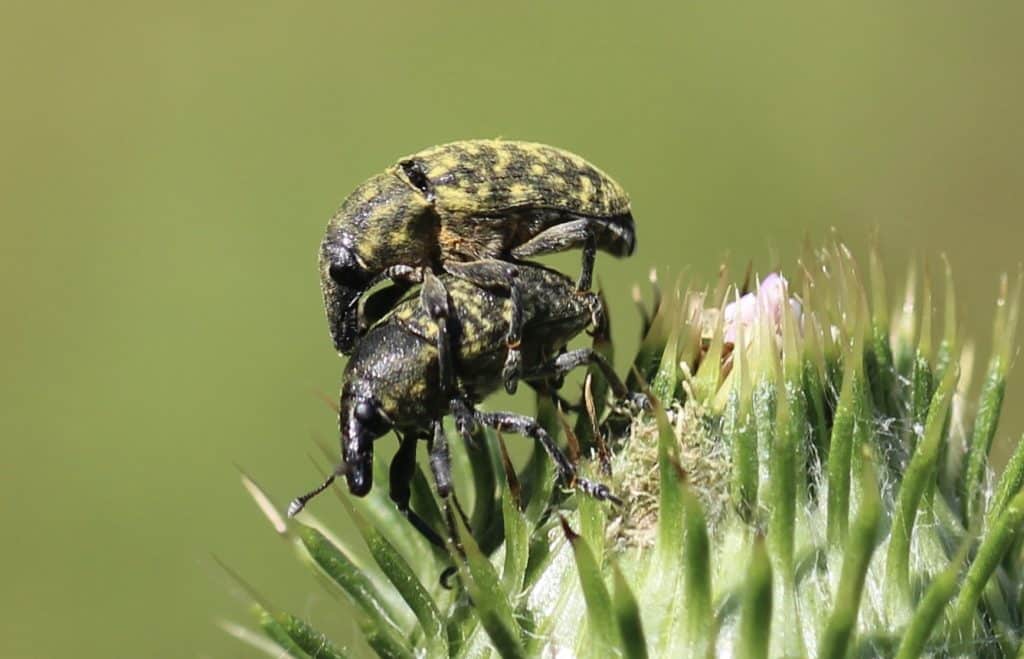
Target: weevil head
{"points": [[344, 278], [361, 421], [385, 222]]}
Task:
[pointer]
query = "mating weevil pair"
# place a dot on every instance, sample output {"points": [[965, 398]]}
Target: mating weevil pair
{"points": [[471, 209], [458, 219]]}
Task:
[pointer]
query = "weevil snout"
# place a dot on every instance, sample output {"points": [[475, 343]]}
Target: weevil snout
{"points": [[361, 422], [617, 236], [347, 279]]}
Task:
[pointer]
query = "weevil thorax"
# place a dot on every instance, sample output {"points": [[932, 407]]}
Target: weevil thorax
{"points": [[397, 370], [493, 195], [385, 221]]}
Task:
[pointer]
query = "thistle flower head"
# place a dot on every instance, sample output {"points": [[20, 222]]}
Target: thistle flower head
{"points": [[812, 480]]}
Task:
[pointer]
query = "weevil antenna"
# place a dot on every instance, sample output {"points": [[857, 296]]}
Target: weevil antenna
{"points": [[298, 503]]}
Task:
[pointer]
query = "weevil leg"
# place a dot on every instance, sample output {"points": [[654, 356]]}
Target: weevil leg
{"points": [[558, 238], [441, 461], [407, 274], [441, 466], [587, 271], [598, 315], [495, 274], [465, 421], [434, 298], [562, 237], [528, 427], [568, 361], [615, 235], [403, 466]]}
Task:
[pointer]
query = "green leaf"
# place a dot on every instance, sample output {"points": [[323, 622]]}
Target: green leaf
{"points": [[814, 389], [921, 379], [277, 632], [741, 435], [782, 499], [627, 615], [788, 460], [592, 523], [382, 633], [860, 546], [652, 346], [315, 644], [664, 576], [754, 633], [489, 600], [926, 614], [915, 480], [990, 401], [671, 509], [709, 374], [423, 502], [539, 474], [602, 638], [517, 535], [484, 460], [997, 541], [262, 642], [398, 572], [697, 578], [667, 376], [880, 358], [841, 445], [1010, 483]]}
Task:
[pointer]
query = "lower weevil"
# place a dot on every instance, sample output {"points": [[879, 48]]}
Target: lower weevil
{"points": [[393, 381]]}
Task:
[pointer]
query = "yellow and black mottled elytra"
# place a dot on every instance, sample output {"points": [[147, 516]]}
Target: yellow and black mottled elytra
{"points": [[465, 202]]}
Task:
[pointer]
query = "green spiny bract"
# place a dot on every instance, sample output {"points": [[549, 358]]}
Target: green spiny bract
{"points": [[813, 481]]}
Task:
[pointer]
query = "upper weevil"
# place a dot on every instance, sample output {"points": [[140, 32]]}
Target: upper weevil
{"points": [[471, 209]]}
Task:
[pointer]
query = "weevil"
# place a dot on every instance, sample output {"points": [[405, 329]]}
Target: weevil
{"points": [[471, 209], [393, 380]]}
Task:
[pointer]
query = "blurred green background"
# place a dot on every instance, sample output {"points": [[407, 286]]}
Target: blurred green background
{"points": [[167, 170]]}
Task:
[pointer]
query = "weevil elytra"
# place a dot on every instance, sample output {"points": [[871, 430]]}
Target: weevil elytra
{"points": [[393, 380], [471, 209]]}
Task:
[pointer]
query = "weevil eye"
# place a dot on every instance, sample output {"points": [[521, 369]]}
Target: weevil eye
{"points": [[346, 275], [364, 411], [371, 418], [344, 268], [414, 172]]}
